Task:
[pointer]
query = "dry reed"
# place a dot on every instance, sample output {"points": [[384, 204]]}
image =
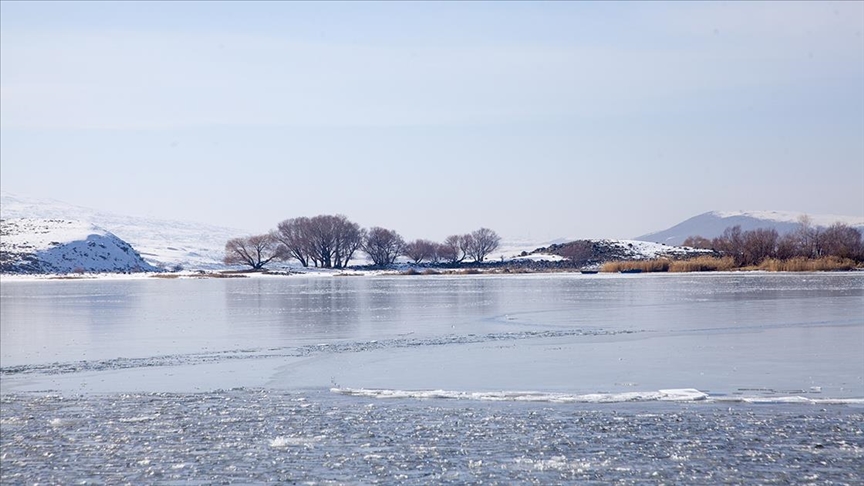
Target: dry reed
{"points": [[657, 265], [703, 264], [714, 264], [801, 264]]}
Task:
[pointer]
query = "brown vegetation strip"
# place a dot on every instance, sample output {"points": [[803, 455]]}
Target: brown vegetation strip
{"points": [[713, 264]]}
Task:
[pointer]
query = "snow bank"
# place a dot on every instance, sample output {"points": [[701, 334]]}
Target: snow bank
{"points": [[63, 246]]}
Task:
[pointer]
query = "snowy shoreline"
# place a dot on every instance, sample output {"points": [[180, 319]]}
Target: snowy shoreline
{"points": [[4, 277]]}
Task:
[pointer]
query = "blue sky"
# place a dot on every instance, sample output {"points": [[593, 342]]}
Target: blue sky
{"points": [[539, 120]]}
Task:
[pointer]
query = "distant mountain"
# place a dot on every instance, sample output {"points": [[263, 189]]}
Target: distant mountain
{"points": [[162, 243], [62, 246], [712, 224]]}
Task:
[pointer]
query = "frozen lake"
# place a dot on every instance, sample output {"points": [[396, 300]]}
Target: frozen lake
{"points": [[318, 368], [747, 335]]}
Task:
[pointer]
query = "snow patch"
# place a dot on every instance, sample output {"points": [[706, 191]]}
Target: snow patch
{"points": [[62, 246]]}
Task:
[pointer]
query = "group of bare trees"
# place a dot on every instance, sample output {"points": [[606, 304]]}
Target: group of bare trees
{"points": [[455, 248], [331, 241], [324, 241], [808, 241]]}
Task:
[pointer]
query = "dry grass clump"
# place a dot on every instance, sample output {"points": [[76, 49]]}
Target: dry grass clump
{"points": [[703, 264], [657, 265], [468, 271], [410, 271], [431, 271], [801, 264]]}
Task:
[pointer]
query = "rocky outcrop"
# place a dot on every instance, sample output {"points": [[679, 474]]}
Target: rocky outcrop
{"points": [[593, 253]]}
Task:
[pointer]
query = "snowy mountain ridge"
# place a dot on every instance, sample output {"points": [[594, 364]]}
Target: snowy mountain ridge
{"points": [[823, 220], [713, 223]]}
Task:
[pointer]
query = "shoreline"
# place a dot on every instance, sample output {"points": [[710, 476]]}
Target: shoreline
{"points": [[233, 274]]}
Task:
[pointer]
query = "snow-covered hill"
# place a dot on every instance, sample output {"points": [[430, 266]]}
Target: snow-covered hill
{"points": [[161, 243], [62, 246], [712, 224]]}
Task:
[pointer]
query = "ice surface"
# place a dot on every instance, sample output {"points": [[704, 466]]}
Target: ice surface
{"points": [[258, 436], [538, 379], [735, 337]]}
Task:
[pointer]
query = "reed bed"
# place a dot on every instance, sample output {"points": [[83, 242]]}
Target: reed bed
{"points": [[800, 264], [656, 265], [715, 264], [703, 264]]}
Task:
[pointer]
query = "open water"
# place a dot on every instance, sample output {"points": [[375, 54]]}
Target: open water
{"points": [[692, 379]]}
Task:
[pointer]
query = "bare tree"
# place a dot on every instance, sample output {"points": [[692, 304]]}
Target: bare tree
{"points": [[383, 246], [325, 240], [731, 243], [481, 243], [843, 241], [419, 250], [255, 251], [295, 240], [787, 246], [349, 238], [808, 237], [698, 242], [466, 242], [758, 244], [808, 241], [436, 256], [452, 250]]}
